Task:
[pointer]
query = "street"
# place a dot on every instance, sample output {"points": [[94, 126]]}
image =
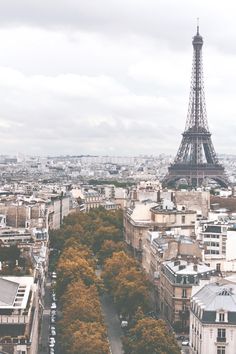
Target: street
{"points": [[44, 331], [113, 324]]}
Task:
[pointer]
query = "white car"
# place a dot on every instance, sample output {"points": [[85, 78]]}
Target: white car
{"points": [[124, 324], [53, 332], [185, 343], [53, 306]]}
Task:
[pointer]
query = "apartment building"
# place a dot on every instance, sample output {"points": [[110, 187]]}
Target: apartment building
{"points": [[19, 307], [159, 247], [213, 319], [219, 241], [146, 216], [177, 278]]}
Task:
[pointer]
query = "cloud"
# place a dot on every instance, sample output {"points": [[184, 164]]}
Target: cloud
{"points": [[111, 76]]}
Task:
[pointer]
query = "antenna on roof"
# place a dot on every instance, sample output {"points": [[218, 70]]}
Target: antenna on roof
{"points": [[197, 26]]}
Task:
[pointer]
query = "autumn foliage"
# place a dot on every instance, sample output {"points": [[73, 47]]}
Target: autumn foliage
{"points": [[81, 325], [127, 282], [82, 241], [150, 336]]}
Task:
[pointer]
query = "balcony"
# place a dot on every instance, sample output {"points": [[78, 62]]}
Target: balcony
{"points": [[221, 339]]}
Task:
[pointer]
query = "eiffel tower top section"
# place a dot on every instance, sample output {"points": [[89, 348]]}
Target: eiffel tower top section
{"points": [[197, 117]]}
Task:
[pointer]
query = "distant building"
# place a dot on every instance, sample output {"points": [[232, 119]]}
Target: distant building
{"points": [[150, 216], [159, 247], [219, 241], [194, 200], [213, 319]]}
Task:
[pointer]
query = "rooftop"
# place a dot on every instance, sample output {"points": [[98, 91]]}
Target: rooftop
{"points": [[14, 292], [8, 292], [182, 267], [216, 296]]}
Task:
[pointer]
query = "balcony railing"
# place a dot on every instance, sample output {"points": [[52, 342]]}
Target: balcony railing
{"points": [[221, 339], [14, 319]]}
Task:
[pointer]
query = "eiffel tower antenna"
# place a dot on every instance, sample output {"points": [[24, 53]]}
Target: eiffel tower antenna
{"points": [[196, 159], [197, 26]]}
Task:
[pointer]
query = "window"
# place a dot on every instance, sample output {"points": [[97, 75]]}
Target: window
{"points": [[221, 335], [220, 350], [184, 293], [221, 317], [183, 219]]}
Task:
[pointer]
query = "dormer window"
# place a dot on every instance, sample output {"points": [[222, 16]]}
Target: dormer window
{"points": [[221, 317]]}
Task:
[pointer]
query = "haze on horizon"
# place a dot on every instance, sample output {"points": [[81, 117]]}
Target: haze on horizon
{"points": [[112, 77]]}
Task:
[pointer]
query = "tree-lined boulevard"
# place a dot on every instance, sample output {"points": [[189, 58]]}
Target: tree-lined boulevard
{"points": [[86, 300]]}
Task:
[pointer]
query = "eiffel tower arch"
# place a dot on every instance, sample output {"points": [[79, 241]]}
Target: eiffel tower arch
{"points": [[196, 160]]}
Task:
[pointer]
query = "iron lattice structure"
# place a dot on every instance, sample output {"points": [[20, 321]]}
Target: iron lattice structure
{"points": [[196, 159]]}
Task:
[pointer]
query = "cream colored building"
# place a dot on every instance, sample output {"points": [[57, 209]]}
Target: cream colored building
{"points": [[159, 247], [194, 200], [19, 315], [177, 278], [150, 216], [213, 319]]}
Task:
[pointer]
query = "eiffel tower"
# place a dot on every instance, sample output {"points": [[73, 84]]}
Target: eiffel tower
{"points": [[196, 160]]}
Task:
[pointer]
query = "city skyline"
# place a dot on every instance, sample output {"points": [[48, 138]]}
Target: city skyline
{"points": [[98, 78]]}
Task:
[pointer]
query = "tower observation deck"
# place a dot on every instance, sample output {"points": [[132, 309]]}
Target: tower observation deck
{"points": [[196, 160]]}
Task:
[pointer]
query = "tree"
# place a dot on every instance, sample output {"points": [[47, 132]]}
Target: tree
{"points": [[85, 338], [132, 290], [10, 254], [108, 248], [114, 265], [105, 233], [150, 336], [80, 302], [74, 265]]}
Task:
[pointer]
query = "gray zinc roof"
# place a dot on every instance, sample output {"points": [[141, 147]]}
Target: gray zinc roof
{"points": [[214, 297], [8, 291]]}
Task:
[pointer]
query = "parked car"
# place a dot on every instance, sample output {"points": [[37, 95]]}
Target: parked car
{"points": [[53, 319], [53, 332], [54, 305], [185, 343], [54, 299], [54, 275], [124, 324]]}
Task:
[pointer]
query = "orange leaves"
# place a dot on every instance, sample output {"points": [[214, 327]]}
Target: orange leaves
{"points": [[81, 327], [150, 336], [89, 338], [129, 285]]}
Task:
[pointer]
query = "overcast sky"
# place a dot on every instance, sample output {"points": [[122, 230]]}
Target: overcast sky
{"points": [[112, 76]]}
